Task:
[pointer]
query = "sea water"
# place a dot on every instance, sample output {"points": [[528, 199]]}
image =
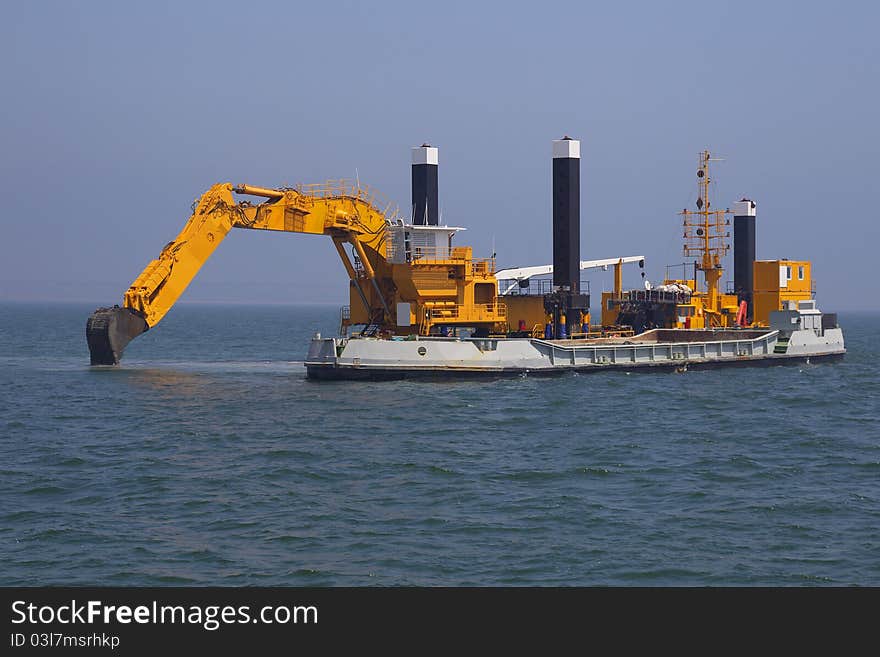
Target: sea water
{"points": [[207, 458]]}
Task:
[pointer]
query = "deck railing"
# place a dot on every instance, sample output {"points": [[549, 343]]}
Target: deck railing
{"points": [[344, 187], [536, 287], [479, 312], [436, 254]]}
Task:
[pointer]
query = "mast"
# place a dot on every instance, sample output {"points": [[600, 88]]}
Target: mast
{"points": [[705, 235]]}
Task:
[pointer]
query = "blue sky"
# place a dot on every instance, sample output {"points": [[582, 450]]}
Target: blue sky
{"points": [[116, 116]]}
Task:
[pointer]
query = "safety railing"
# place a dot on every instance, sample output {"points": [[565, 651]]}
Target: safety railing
{"points": [[535, 287], [482, 266], [479, 312], [401, 252], [347, 187], [657, 296], [433, 254], [344, 320]]}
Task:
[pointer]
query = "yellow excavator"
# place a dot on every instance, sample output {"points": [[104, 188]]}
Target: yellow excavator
{"points": [[404, 278]]}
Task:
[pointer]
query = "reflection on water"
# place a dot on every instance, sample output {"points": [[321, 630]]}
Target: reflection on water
{"points": [[191, 379]]}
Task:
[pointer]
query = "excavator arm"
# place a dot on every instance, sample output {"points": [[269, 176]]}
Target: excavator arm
{"points": [[344, 213]]}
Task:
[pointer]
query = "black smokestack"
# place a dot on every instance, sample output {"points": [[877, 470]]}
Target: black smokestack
{"points": [[744, 252], [424, 185], [566, 213]]}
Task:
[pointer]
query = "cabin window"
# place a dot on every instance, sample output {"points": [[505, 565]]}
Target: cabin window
{"points": [[788, 272], [801, 273]]}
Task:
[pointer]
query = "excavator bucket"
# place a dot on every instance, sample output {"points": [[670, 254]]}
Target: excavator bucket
{"points": [[109, 330]]}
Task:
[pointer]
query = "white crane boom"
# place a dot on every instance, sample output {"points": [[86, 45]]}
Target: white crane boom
{"points": [[518, 274]]}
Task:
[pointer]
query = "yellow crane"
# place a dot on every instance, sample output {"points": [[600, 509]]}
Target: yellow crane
{"points": [[395, 287]]}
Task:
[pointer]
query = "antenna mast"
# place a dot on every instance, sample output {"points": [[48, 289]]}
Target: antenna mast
{"points": [[705, 234]]}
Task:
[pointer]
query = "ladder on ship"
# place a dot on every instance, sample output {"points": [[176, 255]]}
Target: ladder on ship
{"points": [[781, 346]]}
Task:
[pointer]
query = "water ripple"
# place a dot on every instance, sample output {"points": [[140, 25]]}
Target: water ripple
{"points": [[214, 461]]}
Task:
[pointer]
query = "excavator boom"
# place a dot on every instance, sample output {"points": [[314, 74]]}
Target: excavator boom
{"points": [[346, 214]]}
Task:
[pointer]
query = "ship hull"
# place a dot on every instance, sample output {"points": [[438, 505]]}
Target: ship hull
{"points": [[664, 350], [343, 373]]}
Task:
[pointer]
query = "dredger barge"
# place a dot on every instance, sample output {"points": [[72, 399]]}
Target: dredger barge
{"points": [[421, 306]]}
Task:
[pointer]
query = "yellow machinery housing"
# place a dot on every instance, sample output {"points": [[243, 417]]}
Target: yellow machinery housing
{"points": [[778, 281], [526, 313]]}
